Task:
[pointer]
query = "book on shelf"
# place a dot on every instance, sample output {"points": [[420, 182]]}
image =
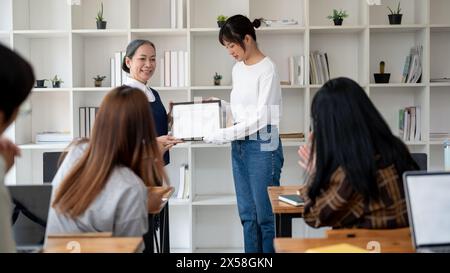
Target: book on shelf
{"points": [[443, 79], [410, 123], [279, 23], [118, 76], [86, 122], [53, 137], [292, 199], [292, 135], [439, 136], [297, 70], [319, 67], [176, 14], [174, 69], [412, 69], [183, 185]]}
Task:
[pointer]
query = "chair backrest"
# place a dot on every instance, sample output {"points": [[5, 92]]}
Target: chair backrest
{"points": [[50, 165], [421, 160], [368, 233]]}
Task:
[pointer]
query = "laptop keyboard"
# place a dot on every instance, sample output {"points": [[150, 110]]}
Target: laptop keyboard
{"points": [[441, 249]]}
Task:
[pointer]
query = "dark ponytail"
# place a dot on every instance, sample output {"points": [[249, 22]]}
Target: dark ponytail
{"points": [[235, 29], [131, 50]]}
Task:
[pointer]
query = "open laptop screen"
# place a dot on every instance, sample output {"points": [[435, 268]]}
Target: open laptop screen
{"points": [[31, 205], [429, 207]]}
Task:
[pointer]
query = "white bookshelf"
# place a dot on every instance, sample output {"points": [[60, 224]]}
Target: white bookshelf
{"points": [[58, 38]]}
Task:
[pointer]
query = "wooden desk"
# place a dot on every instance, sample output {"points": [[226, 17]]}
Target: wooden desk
{"points": [[283, 212], [387, 245], [92, 245]]}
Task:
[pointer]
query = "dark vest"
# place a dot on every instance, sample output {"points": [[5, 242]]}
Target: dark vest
{"points": [[160, 119]]}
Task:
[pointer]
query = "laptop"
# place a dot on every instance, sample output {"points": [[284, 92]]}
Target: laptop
{"points": [[31, 204], [428, 202]]}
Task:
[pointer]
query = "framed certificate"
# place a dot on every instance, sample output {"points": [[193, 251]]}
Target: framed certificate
{"points": [[193, 120]]}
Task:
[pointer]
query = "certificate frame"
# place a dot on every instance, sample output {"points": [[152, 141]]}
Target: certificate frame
{"points": [[194, 104]]}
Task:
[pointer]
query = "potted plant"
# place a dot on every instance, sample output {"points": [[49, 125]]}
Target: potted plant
{"points": [[395, 18], [98, 80], [221, 19], [56, 82], [101, 23], [382, 77], [40, 83], [217, 78], [338, 17]]}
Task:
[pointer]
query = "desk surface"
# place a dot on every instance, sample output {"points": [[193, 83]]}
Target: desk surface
{"points": [[93, 245], [289, 245], [279, 206]]}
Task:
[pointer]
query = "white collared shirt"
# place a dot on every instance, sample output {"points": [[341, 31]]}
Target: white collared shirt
{"points": [[137, 84]]}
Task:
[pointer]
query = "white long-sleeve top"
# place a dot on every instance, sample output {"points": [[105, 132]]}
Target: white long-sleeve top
{"points": [[255, 100]]}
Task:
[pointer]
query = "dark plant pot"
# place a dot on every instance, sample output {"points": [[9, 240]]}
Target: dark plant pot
{"points": [[220, 23], [338, 22], [216, 82], [101, 24], [98, 83], [40, 83], [382, 78], [56, 84], [395, 19]]}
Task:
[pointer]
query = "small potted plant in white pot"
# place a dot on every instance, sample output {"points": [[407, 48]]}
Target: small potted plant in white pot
{"points": [[98, 80], [101, 23], [221, 19], [338, 16], [56, 82], [217, 78], [395, 18]]}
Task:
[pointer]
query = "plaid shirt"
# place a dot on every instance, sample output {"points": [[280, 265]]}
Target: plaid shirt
{"points": [[339, 206]]}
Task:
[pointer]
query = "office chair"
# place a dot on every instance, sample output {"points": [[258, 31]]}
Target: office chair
{"points": [[421, 160]]}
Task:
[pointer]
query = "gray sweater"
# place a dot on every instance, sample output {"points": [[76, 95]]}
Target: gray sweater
{"points": [[120, 208], [6, 236]]}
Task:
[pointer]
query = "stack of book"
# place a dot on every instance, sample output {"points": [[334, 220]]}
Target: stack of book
{"points": [[319, 67], [176, 14], [53, 137], [174, 69], [410, 123], [439, 136], [184, 184], [412, 70], [297, 70], [86, 120]]}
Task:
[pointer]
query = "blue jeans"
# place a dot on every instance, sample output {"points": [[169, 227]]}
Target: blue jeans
{"points": [[256, 165]]}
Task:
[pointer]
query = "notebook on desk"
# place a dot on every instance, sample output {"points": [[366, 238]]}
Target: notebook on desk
{"points": [[428, 202], [292, 199]]}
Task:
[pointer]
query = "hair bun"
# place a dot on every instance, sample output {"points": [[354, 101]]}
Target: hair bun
{"points": [[256, 23]]}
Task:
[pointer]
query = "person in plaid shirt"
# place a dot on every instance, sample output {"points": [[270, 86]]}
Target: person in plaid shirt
{"points": [[353, 163]]}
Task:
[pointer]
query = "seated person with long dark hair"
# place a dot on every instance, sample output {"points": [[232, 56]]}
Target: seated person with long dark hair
{"points": [[355, 171], [102, 185]]}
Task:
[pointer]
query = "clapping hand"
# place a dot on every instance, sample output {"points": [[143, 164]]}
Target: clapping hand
{"points": [[8, 151], [304, 152]]}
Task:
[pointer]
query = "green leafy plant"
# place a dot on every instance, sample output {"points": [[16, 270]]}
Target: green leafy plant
{"points": [[217, 77], [397, 11], [56, 80], [99, 78], [222, 18], [338, 15], [99, 17]]}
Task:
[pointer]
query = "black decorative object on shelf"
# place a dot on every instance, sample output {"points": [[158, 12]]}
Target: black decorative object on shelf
{"points": [[382, 77]]}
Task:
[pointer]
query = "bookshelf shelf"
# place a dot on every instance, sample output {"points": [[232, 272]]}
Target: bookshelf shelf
{"points": [[50, 146], [67, 43], [100, 32], [216, 200], [396, 28], [336, 29], [42, 33]]}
